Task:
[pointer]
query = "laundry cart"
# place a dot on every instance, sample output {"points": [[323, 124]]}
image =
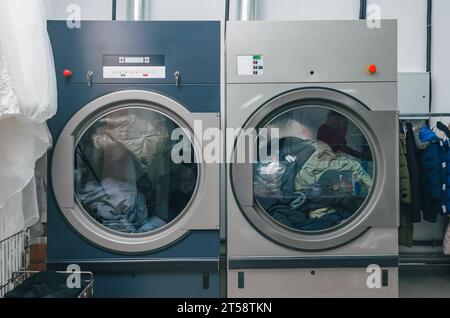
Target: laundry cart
{"points": [[14, 256], [48, 284]]}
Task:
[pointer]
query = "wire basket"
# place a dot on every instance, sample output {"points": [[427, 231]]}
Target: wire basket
{"points": [[87, 292], [14, 257]]}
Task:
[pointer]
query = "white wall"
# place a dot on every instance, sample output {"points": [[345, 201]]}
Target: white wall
{"points": [[307, 9], [410, 14], [159, 9], [412, 23], [181, 9], [90, 9], [441, 56]]}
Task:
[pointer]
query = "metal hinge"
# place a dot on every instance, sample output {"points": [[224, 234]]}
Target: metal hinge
{"points": [[177, 76]]}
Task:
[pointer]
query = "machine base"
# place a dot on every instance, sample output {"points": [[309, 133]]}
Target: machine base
{"points": [[312, 283], [146, 280]]}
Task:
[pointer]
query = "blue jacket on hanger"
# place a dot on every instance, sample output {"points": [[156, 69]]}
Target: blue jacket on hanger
{"points": [[433, 166]]}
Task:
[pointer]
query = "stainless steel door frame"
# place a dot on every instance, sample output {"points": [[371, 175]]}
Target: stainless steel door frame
{"points": [[378, 208], [201, 213]]}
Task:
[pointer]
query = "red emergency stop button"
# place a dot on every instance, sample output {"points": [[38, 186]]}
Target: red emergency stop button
{"points": [[67, 73], [371, 69]]}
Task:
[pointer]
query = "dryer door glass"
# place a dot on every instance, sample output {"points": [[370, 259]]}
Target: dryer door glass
{"points": [[318, 171], [125, 177]]}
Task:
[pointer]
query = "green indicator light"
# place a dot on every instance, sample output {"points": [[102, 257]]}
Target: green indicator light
{"points": [[256, 57]]}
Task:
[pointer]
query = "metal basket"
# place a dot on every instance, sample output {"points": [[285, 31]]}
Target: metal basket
{"points": [[14, 257], [20, 276]]}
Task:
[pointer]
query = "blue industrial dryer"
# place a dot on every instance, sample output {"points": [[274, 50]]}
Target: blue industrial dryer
{"points": [[119, 203]]}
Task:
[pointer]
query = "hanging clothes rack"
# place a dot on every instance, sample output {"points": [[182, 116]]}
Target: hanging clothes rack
{"points": [[431, 243], [430, 257]]}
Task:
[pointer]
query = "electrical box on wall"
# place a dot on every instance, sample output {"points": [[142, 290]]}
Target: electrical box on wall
{"points": [[414, 94]]}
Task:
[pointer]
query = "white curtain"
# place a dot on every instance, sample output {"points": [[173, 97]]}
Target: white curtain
{"points": [[27, 100]]}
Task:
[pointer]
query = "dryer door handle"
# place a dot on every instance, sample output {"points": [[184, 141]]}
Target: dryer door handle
{"points": [[63, 171]]}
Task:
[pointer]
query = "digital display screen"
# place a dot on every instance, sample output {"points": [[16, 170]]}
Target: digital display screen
{"points": [[143, 67], [134, 59]]}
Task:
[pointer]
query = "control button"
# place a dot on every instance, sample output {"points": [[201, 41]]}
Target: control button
{"points": [[371, 69], [260, 67], [67, 73], [255, 73], [255, 62]]}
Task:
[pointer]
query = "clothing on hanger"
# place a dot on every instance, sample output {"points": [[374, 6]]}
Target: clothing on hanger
{"points": [[406, 229], [414, 174], [433, 174], [445, 129]]}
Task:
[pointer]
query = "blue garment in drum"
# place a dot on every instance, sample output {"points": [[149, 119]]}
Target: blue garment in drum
{"points": [[343, 205], [118, 205], [325, 222], [299, 202], [153, 223]]}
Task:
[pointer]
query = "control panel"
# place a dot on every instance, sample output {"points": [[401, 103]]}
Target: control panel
{"points": [[134, 66], [250, 65]]}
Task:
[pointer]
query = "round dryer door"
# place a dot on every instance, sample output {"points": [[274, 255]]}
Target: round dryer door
{"points": [[125, 178], [310, 179], [125, 172]]}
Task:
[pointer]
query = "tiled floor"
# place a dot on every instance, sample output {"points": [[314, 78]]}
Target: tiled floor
{"points": [[428, 283]]}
